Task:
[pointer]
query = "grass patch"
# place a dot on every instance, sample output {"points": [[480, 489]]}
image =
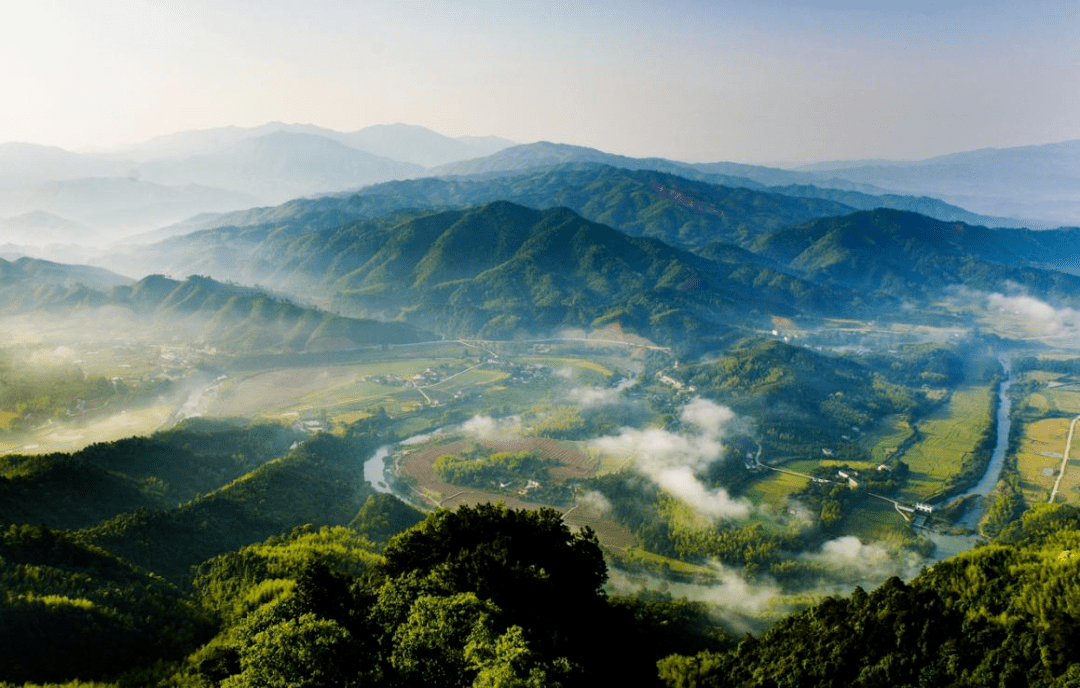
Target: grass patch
{"points": [[636, 557], [5, 419], [1038, 457], [579, 363], [876, 520], [882, 441], [611, 463]]}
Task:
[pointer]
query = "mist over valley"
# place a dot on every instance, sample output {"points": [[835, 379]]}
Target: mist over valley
{"points": [[720, 397]]}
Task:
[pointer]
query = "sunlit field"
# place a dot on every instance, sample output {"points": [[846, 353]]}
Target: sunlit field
{"points": [[772, 488], [1039, 458], [1042, 446], [947, 435], [67, 438]]}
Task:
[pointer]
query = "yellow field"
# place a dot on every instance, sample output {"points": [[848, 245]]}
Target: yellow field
{"points": [[342, 391], [581, 363], [772, 488], [658, 562], [5, 419], [1039, 458], [276, 392], [1065, 400], [1069, 489], [952, 431], [69, 438]]}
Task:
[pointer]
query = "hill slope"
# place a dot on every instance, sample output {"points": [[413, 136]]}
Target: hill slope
{"points": [[905, 254], [1002, 614], [540, 271], [196, 310]]}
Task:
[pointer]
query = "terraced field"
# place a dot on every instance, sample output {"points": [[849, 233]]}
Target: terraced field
{"points": [[418, 465]]}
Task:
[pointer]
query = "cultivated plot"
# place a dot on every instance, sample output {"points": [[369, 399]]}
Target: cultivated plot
{"points": [[953, 431]]}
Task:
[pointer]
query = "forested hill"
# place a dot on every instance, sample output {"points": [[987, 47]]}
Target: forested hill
{"points": [[677, 210], [197, 310], [289, 571], [671, 204], [485, 596], [17, 274], [539, 271], [673, 208], [901, 253], [1005, 614]]}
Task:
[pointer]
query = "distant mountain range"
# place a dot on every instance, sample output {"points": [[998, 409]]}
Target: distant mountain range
{"points": [[278, 166], [679, 259], [31, 273], [141, 188], [400, 142], [91, 210], [680, 211], [1040, 182], [682, 262], [39, 226]]}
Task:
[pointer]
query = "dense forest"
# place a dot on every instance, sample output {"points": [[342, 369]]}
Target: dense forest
{"points": [[487, 596], [259, 583]]}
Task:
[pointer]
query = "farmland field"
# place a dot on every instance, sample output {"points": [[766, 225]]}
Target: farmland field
{"points": [[417, 464], [884, 439], [1039, 456], [772, 488], [946, 436]]}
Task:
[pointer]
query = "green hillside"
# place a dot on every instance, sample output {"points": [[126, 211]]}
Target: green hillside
{"points": [[290, 572], [903, 254], [1003, 614], [678, 210], [69, 609], [319, 482], [202, 310], [538, 271]]}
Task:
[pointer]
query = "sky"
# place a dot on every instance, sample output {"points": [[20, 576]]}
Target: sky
{"points": [[764, 81]]}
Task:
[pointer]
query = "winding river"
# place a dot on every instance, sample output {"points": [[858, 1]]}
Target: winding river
{"points": [[997, 458], [375, 469], [949, 545]]}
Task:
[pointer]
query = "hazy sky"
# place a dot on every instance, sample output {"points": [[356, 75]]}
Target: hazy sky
{"points": [[743, 80]]}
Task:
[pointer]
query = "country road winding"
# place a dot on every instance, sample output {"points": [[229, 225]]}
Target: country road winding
{"points": [[1064, 460]]}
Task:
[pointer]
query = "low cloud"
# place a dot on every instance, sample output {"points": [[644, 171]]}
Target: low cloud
{"points": [[59, 355], [594, 397], [486, 427], [594, 501], [740, 605], [674, 459], [1041, 317], [852, 561]]}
